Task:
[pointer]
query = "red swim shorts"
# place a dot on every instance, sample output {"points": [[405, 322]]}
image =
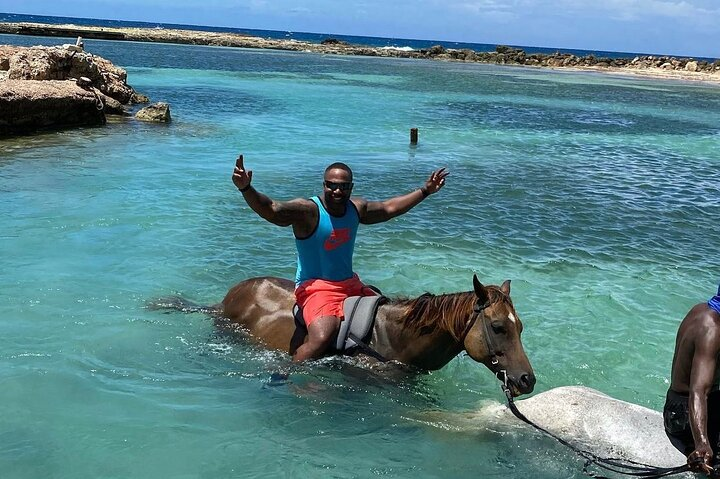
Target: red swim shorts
{"points": [[318, 297]]}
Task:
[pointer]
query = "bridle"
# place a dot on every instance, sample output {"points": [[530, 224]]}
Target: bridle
{"points": [[479, 313]]}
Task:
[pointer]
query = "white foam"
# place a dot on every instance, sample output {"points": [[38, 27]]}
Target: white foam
{"points": [[402, 49]]}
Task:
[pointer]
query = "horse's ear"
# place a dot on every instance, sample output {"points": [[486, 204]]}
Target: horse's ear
{"points": [[505, 287], [480, 290]]}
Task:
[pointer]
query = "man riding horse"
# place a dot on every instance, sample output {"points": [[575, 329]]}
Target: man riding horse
{"points": [[325, 227], [692, 407]]}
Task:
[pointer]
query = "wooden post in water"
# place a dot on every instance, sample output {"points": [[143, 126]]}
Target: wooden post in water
{"points": [[413, 136]]}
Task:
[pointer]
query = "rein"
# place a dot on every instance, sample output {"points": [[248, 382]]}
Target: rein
{"points": [[617, 465]]}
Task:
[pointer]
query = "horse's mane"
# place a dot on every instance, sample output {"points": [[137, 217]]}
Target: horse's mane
{"points": [[449, 312]]}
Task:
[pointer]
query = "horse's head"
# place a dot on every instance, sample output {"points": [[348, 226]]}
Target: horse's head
{"points": [[493, 337]]}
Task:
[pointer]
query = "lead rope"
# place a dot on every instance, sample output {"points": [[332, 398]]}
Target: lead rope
{"points": [[617, 465]]}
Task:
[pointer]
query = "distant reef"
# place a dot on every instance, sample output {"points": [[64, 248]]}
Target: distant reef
{"points": [[63, 87], [647, 65]]}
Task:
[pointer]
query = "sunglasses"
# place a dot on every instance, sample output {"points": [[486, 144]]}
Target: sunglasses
{"points": [[331, 185]]}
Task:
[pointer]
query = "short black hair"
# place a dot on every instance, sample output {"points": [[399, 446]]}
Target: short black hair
{"points": [[338, 165]]}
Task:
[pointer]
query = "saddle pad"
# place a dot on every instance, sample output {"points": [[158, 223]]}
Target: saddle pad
{"points": [[359, 318]]}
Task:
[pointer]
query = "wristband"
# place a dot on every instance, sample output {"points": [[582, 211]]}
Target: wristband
{"points": [[243, 190], [424, 192]]}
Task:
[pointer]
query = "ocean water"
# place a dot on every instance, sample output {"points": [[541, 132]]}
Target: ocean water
{"points": [[596, 195], [380, 42]]}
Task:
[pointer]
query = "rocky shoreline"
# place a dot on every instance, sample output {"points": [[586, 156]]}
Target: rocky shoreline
{"points": [[665, 67], [63, 87]]}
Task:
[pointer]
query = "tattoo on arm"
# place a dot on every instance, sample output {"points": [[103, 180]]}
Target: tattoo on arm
{"points": [[286, 213], [281, 213]]}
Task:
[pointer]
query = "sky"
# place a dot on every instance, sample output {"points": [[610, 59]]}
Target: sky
{"points": [[671, 27]]}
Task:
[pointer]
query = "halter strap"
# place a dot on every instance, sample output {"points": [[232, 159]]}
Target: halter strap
{"points": [[488, 337], [479, 310]]}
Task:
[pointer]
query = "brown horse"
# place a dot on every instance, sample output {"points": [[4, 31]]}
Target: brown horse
{"points": [[424, 332]]}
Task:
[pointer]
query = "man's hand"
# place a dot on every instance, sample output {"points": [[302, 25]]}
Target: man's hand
{"points": [[436, 181], [241, 177], [700, 460]]}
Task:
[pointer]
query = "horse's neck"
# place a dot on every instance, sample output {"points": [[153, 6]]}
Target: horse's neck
{"points": [[395, 340]]}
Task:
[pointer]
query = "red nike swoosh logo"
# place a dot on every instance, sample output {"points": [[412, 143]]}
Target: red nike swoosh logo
{"points": [[337, 238]]}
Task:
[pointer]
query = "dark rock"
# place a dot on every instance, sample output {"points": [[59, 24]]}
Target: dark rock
{"points": [[139, 98], [112, 106], [6, 51], [469, 55], [333, 41], [507, 50]]}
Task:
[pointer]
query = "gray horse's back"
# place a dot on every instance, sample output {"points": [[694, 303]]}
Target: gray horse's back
{"points": [[587, 418], [611, 427], [601, 424]]}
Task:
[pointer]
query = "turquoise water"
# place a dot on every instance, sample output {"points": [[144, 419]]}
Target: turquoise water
{"points": [[597, 195]]}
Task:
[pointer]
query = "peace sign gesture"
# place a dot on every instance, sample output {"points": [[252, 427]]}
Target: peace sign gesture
{"points": [[241, 177]]}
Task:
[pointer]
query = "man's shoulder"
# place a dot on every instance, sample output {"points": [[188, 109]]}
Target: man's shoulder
{"points": [[710, 314], [703, 320], [703, 312], [358, 200], [303, 203], [299, 211], [360, 204]]}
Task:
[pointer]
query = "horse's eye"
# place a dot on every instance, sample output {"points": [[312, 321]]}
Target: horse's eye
{"points": [[498, 327]]}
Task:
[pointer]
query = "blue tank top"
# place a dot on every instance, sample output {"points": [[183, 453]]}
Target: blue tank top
{"points": [[327, 253], [714, 302]]}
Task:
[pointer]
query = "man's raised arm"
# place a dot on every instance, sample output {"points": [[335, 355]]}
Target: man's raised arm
{"points": [[378, 211], [281, 213]]}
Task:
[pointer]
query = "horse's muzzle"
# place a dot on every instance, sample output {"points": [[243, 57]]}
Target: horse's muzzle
{"points": [[522, 385]]}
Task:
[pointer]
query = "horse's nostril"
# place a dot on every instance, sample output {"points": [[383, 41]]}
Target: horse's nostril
{"points": [[527, 381]]}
